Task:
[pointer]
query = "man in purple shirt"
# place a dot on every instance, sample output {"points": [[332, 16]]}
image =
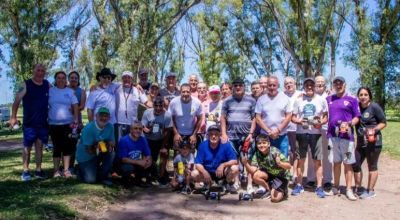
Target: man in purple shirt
{"points": [[343, 115]]}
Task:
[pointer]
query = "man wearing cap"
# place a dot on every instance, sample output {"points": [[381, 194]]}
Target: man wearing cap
{"points": [[310, 111], [214, 106], [157, 127], [293, 94], [103, 95], [193, 82], [273, 114], [344, 113], [216, 161], [97, 136], [171, 90], [152, 94], [128, 99], [144, 80], [237, 115], [186, 115]]}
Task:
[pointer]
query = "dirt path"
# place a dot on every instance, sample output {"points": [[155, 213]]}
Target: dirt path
{"points": [[163, 204]]}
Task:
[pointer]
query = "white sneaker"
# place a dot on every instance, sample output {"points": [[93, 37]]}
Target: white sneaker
{"points": [[232, 188], [260, 190], [350, 195], [250, 189]]}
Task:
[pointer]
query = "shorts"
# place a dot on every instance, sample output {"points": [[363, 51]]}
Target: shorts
{"points": [[369, 152], [341, 150], [278, 183], [32, 134], [62, 144], [282, 143], [311, 140]]}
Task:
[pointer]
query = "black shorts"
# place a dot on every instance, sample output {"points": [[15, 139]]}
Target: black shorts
{"points": [[280, 184], [369, 152], [62, 144], [309, 140]]}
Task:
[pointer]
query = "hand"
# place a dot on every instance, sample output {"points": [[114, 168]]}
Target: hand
{"points": [[13, 121], [193, 139], [277, 159], [207, 177], [146, 130], [274, 133], [110, 146], [220, 171], [249, 138], [177, 139], [91, 149], [142, 163], [224, 138], [139, 87], [148, 163], [163, 151], [244, 159]]}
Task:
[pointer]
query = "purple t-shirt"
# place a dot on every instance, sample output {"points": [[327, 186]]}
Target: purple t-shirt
{"points": [[341, 109]]}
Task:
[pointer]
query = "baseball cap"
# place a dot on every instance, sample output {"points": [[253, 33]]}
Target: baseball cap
{"points": [[238, 81], [341, 78], [127, 73], [214, 128], [185, 143], [143, 70], [154, 84], [103, 110], [170, 74], [309, 79], [214, 89]]}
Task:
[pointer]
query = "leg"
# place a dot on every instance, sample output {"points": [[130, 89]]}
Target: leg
{"points": [[360, 154], [293, 148], [106, 161], [276, 196], [326, 164], [26, 157], [372, 159], [336, 173], [88, 171], [260, 178], [232, 174], [301, 154], [300, 171], [38, 154], [318, 172]]}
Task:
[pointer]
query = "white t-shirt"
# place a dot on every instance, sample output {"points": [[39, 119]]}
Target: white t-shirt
{"points": [[185, 114], [213, 111], [128, 100], [309, 107], [273, 110], [60, 105], [292, 97], [103, 98], [324, 126]]}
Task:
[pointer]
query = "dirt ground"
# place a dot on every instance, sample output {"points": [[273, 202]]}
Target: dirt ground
{"points": [[154, 203]]}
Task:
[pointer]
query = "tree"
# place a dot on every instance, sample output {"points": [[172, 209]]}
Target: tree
{"points": [[29, 29]]}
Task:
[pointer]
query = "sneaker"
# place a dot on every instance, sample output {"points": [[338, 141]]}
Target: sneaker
{"points": [[261, 190], [40, 174], [67, 174], [335, 191], [154, 183], [360, 191], [186, 190], [310, 185], [233, 188], [368, 195], [57, 174], [26, 176], [320, 192], [107, 182], [298, 189], [350, 195], [328, 186]]}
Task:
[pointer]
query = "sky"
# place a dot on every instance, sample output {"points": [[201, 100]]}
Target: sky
{"points": [[351, 75]]}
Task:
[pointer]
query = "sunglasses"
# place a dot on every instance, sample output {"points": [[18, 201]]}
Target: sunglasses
{"points": [[106, 77], [137, 128]]}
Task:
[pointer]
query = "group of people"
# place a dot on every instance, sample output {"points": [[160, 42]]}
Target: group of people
{"points": [[133, 129]]}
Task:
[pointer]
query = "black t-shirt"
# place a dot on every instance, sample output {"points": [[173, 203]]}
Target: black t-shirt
{"points": [[370, 117]]}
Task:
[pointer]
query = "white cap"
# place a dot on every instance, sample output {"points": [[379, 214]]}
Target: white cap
{"points": [[214, 89], [127, 73]]}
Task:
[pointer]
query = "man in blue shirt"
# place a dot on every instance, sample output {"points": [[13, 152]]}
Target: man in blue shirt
{"points": [[216, 161], [135, 156], [95, 151]]}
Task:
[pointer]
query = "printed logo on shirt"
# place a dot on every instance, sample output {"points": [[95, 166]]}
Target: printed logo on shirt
{"points": [[309, 110], [135, 155], [366, 115], [346, 103]]}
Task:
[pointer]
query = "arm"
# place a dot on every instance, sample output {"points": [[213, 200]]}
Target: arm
{"points": [[224, 136], [90, 114], [193, 138], [75, 109], [285, 122], [261, 123], [83, 100], [204, 172], [141, 162], [282, 164], [296, 120], [18, 98]]}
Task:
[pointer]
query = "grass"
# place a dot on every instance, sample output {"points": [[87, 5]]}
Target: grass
{"points": [[48, 199], [391, 140]]}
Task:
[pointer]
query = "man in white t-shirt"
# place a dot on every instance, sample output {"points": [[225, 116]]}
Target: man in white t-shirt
{"points": [[310, 112], [186, 115], [128, 99], [293, 94], [273, 114]]}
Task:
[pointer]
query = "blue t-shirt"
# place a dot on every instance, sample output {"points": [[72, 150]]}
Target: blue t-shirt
{"points": [[134, 150], [91, 134], [211, 159]]}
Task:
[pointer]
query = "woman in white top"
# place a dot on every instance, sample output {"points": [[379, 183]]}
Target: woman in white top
{"points": [[63, 115]]}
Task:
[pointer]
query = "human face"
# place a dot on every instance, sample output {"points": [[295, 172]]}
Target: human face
{"points": [[184, 151], [39, 72], [215, 96], [320, 85], [340, 87], [127, 81], [61, 80], [102, 119], [238, 89], [185, 94], [309, 87], [154, 90], [158, 108], [73, 80], [105, 80], [256, 90], [226, 91], [214, 137], [263, 83], [363, 97], [136, 130], [193, 81], [263, 146], [171, 82], [144, 77], [202, 90], [290, 86], [272, 87]]}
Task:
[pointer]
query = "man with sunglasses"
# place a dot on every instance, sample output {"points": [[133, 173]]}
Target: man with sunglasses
{"points": [[157, 127], [135, 156]]}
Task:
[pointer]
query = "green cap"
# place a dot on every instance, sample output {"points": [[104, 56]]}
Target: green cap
{"points": [[103, 110]]}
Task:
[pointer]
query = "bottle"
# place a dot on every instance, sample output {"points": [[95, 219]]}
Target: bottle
{"points": [[180, 168], [102, 147]]}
